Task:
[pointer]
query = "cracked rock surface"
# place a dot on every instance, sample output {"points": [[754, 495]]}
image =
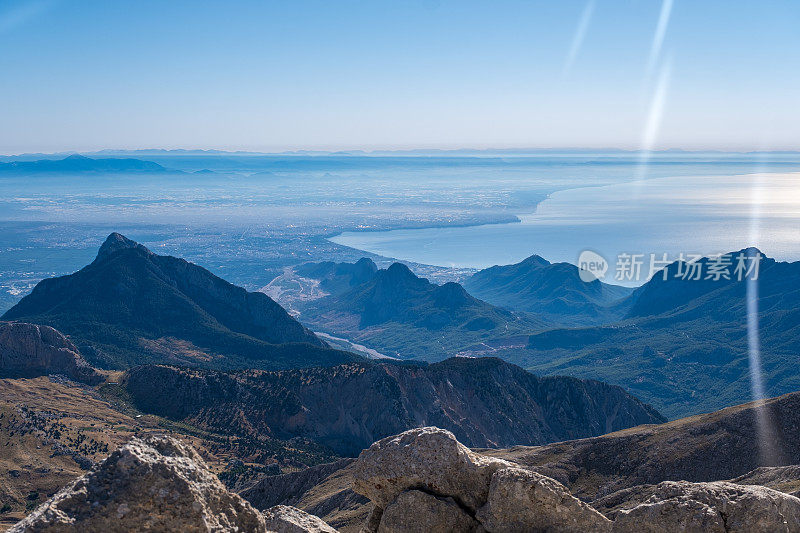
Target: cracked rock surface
{"points": [[158, 484], [711, 507], [425, 480]]}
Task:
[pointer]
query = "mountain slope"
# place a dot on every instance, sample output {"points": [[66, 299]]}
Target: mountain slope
{"points": [[337, 278], [132, 306], [403, 315], [684, 346], [716, 446], [31, 350], [554, 290], [486, 402]]}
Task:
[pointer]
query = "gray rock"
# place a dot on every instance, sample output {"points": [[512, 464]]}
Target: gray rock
{"points": [[373, 521], [425, 480], [711, 507], [430, 459], [783, 478], [155, 484], [34, 350], [286, 519], [413, 511], [524, 501]]}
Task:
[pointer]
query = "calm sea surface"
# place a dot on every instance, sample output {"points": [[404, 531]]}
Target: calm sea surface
{"points": [[690, 214]]}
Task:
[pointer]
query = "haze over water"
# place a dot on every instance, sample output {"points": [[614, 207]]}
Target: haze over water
{"points": [[689, 214]]}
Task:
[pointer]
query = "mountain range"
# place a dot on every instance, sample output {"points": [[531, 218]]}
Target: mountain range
{"points": [[247, 382], [609, 472], [683, 345], [403, 315], [485, 401], [554, 291], [131, 306], [78, 164], [679, 341]]}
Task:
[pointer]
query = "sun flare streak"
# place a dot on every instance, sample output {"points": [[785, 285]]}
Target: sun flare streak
{"points": [[658, 36], [768, 439], [655, 115], [580, 35]]}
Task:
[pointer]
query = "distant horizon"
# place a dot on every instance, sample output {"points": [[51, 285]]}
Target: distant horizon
{"points": [[397, 150]]}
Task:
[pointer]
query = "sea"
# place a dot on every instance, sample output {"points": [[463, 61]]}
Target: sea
{"points": [[651, 220]]}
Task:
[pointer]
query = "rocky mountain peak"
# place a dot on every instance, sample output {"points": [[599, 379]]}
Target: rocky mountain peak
{"points": [[116, 242], [367, 264], [157, 484], [535, 260], [400, 273], [134, 306]]}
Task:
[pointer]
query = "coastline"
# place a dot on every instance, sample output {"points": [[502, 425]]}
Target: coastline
{"points": [[626, 210]]}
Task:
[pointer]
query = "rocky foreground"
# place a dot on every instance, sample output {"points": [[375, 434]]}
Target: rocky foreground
{"points": [[425, 480], [422, 480], [158, 484]]}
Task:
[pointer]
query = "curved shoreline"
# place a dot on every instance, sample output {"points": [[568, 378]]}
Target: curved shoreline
{"points": [[619, 217]]}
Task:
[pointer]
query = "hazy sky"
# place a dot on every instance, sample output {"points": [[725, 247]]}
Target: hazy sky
{"points": [[260, 75]]}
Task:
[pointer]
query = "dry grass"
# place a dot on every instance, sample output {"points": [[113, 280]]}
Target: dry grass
{"points": [[45, 425]]}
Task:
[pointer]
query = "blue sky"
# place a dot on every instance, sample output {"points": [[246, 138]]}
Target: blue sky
{"points": [[84, 75]]}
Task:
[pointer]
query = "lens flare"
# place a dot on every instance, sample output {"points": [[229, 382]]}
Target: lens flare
{"points": [[655, 114], [658, 36], [580, 35], [770, 449]]}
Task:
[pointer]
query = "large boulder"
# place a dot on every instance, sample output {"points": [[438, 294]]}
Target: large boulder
{"points": [[425, 480], [155, 484], [430, 459], [34, 350], [710, 507], [414, 511], [286, 519], [521, 500]]}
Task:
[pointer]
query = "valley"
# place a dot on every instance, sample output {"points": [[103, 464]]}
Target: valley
{"points": [[399, 267], [156, 345]]}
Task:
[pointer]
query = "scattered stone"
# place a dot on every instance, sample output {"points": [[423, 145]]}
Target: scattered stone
{"points": [[286, 519], [155, 484]]}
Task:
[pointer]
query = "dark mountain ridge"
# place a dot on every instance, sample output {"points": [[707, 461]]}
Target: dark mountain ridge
{"points": [[399, 313], [336, 278], [684, 345], [606, 471], [672, 293], [131, 306], [553, 290], [398, 294], [485, 402]]}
